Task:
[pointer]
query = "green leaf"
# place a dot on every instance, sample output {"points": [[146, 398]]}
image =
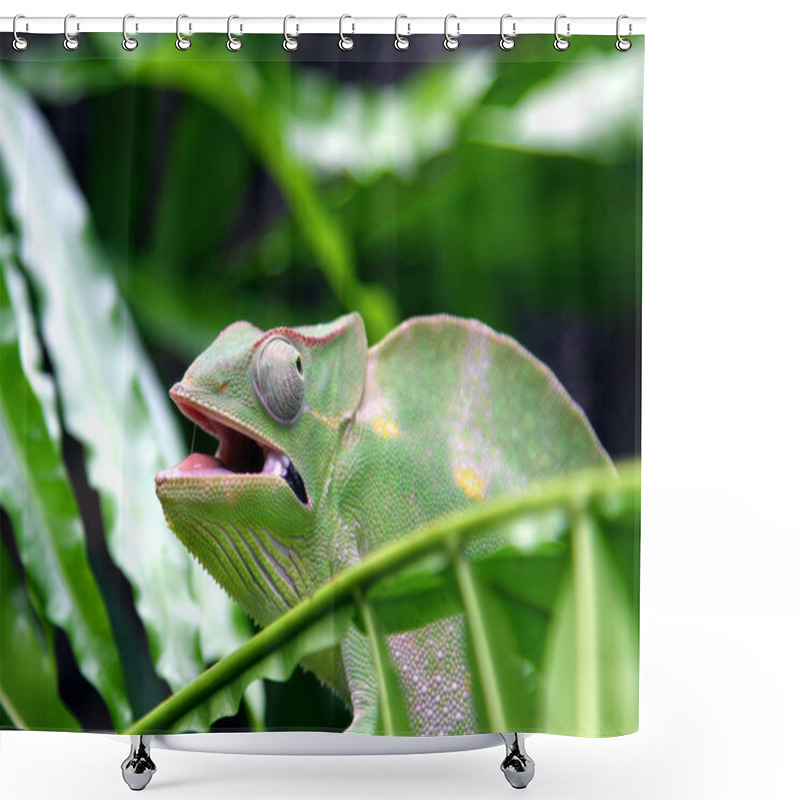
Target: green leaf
{"points": [[415, 596], [256, 102], [218, 691], [112, 401], [509, 627], [35, 492], [186, 226], [609, 96], [592, 650], [28, 671], [346, 129]]}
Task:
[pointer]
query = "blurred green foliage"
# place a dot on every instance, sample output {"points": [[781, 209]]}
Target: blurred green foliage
{"points": [[244, 186], [283, 190]]}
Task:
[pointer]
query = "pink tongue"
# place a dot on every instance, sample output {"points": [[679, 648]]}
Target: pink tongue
{"points": [[199, 461]]}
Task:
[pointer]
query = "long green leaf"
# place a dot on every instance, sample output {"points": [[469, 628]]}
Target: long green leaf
{"points": [[218, 690], [47, 526], [446, 535], [183, 202], [592, 649], [111, 399], [28, 671]]}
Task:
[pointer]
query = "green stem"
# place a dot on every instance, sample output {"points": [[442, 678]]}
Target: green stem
{"points": [[388, 723], [443, 533], [480, 642], [587, 690]]}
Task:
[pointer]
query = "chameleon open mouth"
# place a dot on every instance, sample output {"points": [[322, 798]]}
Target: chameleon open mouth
{"points": [[239, 451]]}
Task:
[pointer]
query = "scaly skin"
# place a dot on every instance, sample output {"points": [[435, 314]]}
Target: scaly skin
{"points": [[443, 413]]}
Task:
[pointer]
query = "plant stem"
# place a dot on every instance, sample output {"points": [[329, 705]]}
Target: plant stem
{"points": [[480, 642], [388, 723], [587, 655]]}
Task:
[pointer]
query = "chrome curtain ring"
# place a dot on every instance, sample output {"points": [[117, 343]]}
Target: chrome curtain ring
{"points": [[623, 44], [181, 42], [128, 42], [289, 42], [507, 42], [20, 43], [451, 42], [401, 42], [560, 43], [70, 42], [233, 43], [346, 42]]}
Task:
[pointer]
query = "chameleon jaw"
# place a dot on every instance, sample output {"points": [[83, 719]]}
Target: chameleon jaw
{"points": [[240, 452]]}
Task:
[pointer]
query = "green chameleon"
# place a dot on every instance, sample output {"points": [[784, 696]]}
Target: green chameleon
{"points": [[328, 450]]}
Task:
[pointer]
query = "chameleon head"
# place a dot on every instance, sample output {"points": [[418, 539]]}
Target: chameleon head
{"points": [[277, 402]]}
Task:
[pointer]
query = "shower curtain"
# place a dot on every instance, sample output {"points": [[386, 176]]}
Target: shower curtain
{"points": [[319, 400]]}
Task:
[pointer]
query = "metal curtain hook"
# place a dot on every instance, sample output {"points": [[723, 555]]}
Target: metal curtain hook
{"points": [[346, 42], [233, 44], [20, 43], [401, 42], [289, 43], [507, 42], [623, 44], [451, 42], [560, 43], [70, 42], [128, 42], [182, 43]]}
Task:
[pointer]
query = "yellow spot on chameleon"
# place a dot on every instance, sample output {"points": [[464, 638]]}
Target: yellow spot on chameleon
{"points": [[385, 428], [473, 485]]}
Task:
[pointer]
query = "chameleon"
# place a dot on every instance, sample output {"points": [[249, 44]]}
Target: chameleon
{"points": [[329, 449]]}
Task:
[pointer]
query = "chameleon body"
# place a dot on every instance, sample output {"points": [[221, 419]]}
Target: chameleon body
{"points": [[328, 450]]}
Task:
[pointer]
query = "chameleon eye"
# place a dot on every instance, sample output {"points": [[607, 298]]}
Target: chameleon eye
{"points": [[279, 380]]}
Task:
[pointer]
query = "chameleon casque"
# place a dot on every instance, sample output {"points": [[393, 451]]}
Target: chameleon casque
{"points": [[328, 450]]}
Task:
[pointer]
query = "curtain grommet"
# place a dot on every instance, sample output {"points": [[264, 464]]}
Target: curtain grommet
{"points": [[290, 43], [181, 42], [128, 42], [560, 42], [451, 42], [70, 42], [401, 42], [507, 42], [233, 44], [346, 42], [19, 43], [622, 44]]}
